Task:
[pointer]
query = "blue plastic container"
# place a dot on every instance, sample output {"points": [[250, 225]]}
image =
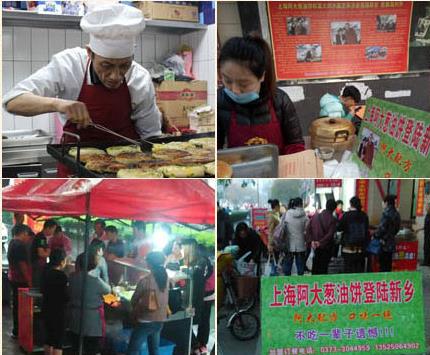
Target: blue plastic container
{"points": [[120, 343]]}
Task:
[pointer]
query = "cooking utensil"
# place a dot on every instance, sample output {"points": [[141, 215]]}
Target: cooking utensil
{"points": [[107, 130], [259, 161], [337, 133], [60, 151], [325, 153]]}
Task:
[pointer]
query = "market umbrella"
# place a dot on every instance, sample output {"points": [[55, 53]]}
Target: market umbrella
{"points": [[182, 201]]}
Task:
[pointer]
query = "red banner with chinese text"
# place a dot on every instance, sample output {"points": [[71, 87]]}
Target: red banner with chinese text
{"points": [[259, 223], [316, 39], [362, 191], [420, 198], [405, 257], [328, 183]]}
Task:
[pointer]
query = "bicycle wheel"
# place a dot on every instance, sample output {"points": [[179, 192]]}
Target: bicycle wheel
{"points": [[246, 304], [245, 326]]}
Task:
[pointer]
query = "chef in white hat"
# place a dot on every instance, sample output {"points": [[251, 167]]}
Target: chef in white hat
{"points": [[100, 84]]}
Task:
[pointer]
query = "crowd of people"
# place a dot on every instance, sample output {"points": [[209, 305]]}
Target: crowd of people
{"points": [[295, 236], [44, 261]]}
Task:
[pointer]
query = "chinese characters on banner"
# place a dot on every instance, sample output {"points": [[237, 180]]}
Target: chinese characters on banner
{"points": [[420, 198], [362, 192], [394, 140], [328, 183], [352, 313], [406, 256], [259, 223], [320, 39]]}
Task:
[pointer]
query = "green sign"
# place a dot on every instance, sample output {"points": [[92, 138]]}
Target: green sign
{"points": [[372, 313], [394, 141]]}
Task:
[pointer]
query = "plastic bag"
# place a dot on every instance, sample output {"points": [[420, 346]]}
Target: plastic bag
{"points": [[268, 266], [247, 269], [176, 63], [374, 247], [244, 268], [310, 259]]}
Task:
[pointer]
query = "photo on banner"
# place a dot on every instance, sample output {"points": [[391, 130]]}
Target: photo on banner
{"points": [[394, 140], [346, 31]]}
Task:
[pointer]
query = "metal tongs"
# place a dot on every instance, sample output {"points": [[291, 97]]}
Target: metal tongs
{"points": [[107, 130]]}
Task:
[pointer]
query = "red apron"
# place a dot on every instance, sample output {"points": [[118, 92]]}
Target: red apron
{"points": [[239, 134], [110, 108]]}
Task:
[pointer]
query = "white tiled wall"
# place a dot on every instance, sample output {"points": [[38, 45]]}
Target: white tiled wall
{"points": [[203, 44], [26, 49]]}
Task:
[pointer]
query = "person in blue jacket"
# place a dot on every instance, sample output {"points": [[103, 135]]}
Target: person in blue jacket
{"points": [[344, 106]]}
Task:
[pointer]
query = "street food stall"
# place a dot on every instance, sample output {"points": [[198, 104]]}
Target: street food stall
{"points": [[182, 201]]}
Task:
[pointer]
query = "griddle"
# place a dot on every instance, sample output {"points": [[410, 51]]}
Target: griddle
{"points": [[60, 151]]}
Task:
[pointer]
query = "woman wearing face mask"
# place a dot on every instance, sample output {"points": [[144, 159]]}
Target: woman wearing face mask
{"points": [[250, 105]]}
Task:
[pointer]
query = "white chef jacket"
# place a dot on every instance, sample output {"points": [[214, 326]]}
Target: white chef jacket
{"points": [[63, 78]]}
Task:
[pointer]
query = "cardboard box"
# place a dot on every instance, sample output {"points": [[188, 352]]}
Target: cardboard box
{"points": [[202, 119], [204, 129], [301, 165], [176, 98], [160, 11]]}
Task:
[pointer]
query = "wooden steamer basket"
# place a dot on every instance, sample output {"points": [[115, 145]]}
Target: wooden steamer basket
{"points": [[336, 133]]}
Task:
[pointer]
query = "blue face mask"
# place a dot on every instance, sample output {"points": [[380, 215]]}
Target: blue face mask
{"points": [[242, 99]]}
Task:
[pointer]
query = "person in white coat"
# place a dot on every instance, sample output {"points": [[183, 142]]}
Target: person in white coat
{"points": [[100, 84], [296, 222]]}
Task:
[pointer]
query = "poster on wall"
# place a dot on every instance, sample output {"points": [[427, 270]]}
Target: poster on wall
{"points": [[339, 38], [328, 183], [420, 198], [393, 141], [362, 192], [344, 313]]}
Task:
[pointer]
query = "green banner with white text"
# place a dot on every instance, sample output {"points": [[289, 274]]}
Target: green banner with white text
{"points": [[394, 141], [372, 313]]}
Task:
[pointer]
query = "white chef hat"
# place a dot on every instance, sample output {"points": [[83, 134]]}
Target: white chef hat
{"points": [[113, 30]]}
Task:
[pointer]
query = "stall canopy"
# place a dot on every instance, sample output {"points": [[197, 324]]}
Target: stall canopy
{"points": [[183, 201]]}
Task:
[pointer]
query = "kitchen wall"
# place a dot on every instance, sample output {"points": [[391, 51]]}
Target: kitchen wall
{"points": [[228, 20], [26, 49], [204, 58]]}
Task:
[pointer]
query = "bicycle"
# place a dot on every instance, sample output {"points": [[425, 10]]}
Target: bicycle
{"points": [[242, 323]]}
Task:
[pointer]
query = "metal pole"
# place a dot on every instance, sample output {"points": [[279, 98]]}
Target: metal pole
{"points": [[258, 193], [190, 306], [85, 272]]}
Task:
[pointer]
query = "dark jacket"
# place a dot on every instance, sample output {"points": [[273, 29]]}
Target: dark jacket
{"points": [[321, 229], [427, 226], [257, 112], [250, 243], [355, 227], [224, 229], [203, 269], [387, 229]]}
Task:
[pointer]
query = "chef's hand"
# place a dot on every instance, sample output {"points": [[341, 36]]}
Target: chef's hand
{"points": [[75, 112]]}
